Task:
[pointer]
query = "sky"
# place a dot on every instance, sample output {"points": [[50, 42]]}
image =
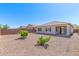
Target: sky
{"points": [[22, 14]]}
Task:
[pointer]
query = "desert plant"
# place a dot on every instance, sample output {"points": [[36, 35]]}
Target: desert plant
{"points": [[43, 40], [23, 33]]}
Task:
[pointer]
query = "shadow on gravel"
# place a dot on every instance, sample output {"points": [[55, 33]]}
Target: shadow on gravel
{"points": [[44, 46], [56, 35], [20, 38]]}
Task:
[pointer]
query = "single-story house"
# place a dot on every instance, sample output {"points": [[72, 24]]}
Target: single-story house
{"points": [[31, 27], [56, 28]]}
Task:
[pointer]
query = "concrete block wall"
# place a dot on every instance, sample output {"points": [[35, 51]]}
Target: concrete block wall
{"points": [[12, 31]]}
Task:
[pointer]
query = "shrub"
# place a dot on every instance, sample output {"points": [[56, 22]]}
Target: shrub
{"points": [[23, 33], [43, 40]]}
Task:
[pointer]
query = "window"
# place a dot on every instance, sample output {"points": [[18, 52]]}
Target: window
{"points": [[48, 29], [56, 29], [39, 29]]}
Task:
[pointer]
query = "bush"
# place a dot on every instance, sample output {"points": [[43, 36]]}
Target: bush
{"points": [[23, 33], [43, 40]]}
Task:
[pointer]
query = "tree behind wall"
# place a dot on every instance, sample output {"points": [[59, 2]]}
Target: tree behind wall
{"points": [[4, 26], [76, 27], [0, 26]]}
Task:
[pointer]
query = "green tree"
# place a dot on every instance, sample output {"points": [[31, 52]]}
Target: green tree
{"points": [[5, 26], [0, 26]]}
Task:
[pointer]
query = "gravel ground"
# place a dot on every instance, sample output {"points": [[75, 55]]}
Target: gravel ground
{"points": [[57, 46]]}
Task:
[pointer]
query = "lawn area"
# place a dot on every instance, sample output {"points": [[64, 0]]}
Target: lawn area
{"points": [[57, 46]]}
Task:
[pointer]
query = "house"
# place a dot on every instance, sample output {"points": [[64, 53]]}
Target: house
{"points": [[56, 28], [31, 28], [76, 28]]}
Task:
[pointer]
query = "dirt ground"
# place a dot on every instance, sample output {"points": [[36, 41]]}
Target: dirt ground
{"points": [[10, 45]]}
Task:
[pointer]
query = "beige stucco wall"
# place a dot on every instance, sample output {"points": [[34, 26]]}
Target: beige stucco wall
{"points": [[69, 30], [53, 29], [72, 30], [44, 30], [40, 31]]}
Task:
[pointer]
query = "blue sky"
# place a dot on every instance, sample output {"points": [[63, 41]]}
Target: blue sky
{"points": [[16, 15]]}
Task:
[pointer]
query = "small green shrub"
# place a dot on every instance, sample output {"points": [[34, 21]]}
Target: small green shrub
{"points": [[23, 33], [43, 40]]}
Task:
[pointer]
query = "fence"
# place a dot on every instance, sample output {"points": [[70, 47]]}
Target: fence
{"points": [[9, 31], [13, 31]]}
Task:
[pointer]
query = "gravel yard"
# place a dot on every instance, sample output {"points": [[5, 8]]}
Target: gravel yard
{"points": [[57, 46]]}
